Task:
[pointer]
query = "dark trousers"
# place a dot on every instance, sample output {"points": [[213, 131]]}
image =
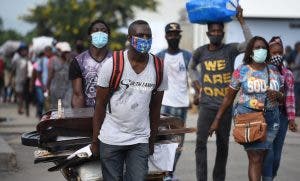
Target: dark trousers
{"points": [[27, 95], [134, 157], [205, 119]]}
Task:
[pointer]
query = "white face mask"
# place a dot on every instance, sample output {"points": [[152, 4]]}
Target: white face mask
{"points": [[99, 39], [260, 55]]}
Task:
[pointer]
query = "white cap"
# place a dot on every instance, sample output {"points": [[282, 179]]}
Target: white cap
{"points": [[63, 46]]}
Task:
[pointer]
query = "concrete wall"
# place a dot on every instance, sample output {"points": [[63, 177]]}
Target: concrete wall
{"points": [[266, 28], [285, 28]]}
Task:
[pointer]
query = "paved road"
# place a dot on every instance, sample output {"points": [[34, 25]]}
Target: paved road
{"points": [[236, 169]]}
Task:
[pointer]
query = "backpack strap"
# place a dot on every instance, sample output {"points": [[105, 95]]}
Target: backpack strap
{"points": [[159, 67], [118, 67]]}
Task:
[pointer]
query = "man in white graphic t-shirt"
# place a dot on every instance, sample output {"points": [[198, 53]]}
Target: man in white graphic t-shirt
{"points": [[176, 98], [128, 128]]}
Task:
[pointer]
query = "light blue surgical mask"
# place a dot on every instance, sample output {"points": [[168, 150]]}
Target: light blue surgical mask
{"points": [[140, 44], [99, 39], [260, 55]]}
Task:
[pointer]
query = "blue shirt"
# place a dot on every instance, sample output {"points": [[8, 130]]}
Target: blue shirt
{"points": [[43, 68]]}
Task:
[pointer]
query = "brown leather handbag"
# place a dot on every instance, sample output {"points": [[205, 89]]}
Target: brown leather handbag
{"points": [[251, 127]]}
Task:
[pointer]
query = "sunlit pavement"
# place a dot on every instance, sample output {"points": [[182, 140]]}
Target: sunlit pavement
{"points": [[237, 165]]}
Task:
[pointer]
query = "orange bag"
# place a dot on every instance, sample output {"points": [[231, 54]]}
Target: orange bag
{"points": [[250, 127]]}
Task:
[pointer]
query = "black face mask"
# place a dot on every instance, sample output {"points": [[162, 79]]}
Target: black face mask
{"points": [[173, 43], [276, 60], [215, 39]]}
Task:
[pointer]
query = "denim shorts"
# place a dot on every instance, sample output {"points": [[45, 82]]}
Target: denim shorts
{"points": [[272, 120]]}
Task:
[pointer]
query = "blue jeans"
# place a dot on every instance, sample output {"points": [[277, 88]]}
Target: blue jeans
{"points": [[272, 159], [39, 101], [113, 158]]}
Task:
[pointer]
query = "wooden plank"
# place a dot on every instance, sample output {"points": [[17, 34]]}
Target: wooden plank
{"points": [[74, 113], [176, 131]]}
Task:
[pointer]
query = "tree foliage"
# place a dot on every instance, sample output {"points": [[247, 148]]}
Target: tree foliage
{"points": [[68, 20], [8, 34]]}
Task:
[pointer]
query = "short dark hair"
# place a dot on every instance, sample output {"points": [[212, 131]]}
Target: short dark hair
{"points": [[137, 22], [213, 23], [248, 53], [96, 22]]}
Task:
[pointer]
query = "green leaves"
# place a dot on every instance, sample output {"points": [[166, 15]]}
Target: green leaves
{"points": [[8, 34], [68, 20]]}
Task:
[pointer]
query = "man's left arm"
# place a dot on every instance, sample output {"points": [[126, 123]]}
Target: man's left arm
{"points": [[154, 112], [155, 106]]}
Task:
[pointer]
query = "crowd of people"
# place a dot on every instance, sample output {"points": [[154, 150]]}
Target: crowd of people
{"points": [[128, 101], [39, 78]]}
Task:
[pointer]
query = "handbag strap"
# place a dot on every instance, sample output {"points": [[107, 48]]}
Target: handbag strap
{"points": [[268, 72], [268, 85]]}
